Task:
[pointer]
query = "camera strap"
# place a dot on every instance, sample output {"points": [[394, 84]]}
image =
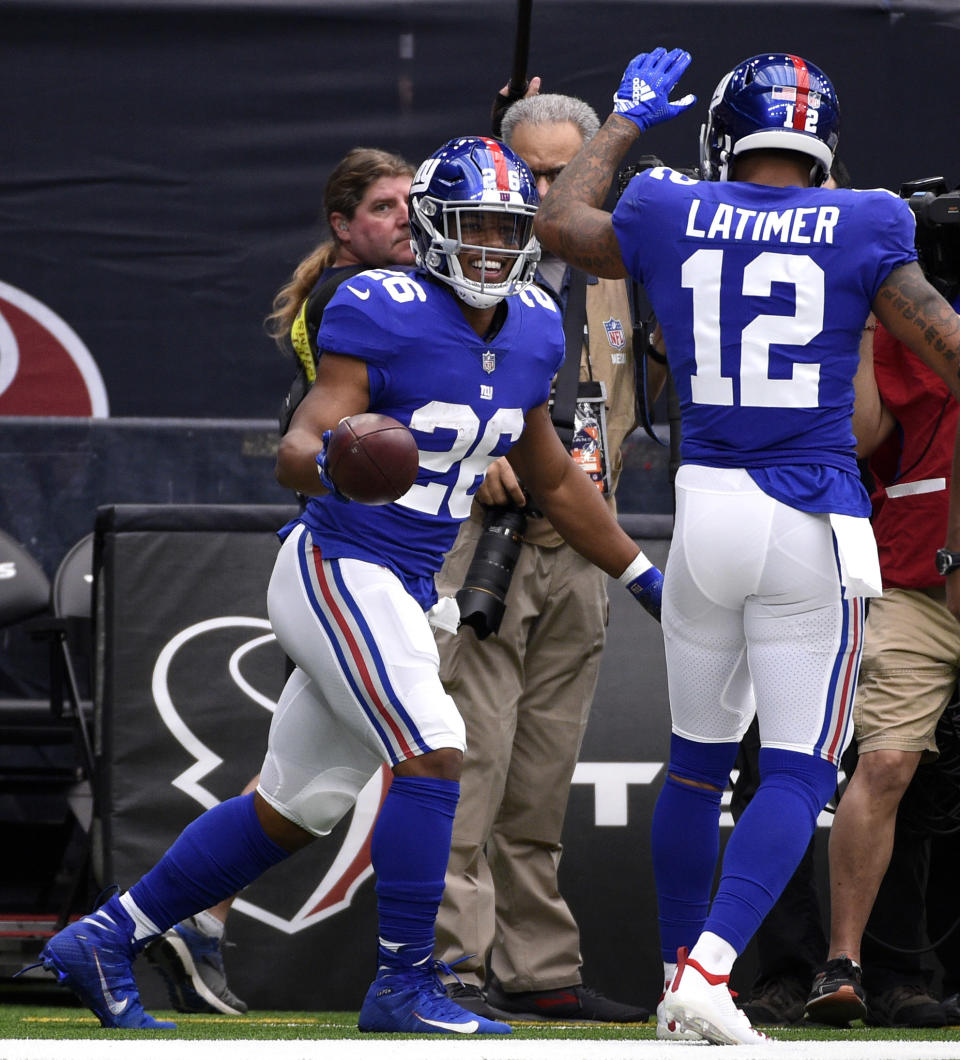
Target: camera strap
{"points": [[643, 324], [568, 378]]}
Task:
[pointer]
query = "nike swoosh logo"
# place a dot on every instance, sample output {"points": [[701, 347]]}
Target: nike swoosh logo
{"points": [[116, 1007], [457, 1028], [362, 295]]}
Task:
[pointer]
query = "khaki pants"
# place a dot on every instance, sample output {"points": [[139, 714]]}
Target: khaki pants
{"points": [[524, 695]]}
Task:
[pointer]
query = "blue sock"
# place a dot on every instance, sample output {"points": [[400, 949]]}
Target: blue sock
{"points": [[685, 839], [213, 857], [410, 851], [769, 840]]}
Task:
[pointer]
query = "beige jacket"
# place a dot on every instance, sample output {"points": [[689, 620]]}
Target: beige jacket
{"points": [[604, 359]]}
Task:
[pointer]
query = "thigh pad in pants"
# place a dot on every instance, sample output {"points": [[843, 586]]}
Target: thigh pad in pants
{"points": [[315, 767], [754, 619], [370, 656]]}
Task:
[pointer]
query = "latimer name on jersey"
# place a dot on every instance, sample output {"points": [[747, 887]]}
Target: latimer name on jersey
{"points": [[803, 225]]}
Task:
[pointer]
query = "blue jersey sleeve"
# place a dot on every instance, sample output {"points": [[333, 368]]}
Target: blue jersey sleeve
{"points": [[888, 223], [629, 223], [370, 318], [356, 320]]}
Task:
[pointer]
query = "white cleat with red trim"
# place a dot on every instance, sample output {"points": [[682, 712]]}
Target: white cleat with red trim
{"points": [[668, 1030], [701, 1002]]}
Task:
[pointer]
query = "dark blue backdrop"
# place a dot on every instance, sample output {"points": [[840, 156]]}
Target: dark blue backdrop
{"points": [[164, 162]]}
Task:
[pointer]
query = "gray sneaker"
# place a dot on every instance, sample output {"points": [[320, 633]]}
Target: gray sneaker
{"points": [[191, 964]]}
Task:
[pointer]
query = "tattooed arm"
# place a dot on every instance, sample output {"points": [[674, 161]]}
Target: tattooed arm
{"points": [[571, 222], [922, 319]]}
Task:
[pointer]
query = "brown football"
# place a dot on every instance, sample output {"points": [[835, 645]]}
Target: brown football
{"points": [[373, 459]]}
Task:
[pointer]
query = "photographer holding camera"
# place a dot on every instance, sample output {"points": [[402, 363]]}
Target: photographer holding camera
{"points": [[905, 421], [523, 667]]}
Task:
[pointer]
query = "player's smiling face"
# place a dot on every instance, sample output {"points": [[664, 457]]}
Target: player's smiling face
{"points": [[483, 232], [378, 234]]}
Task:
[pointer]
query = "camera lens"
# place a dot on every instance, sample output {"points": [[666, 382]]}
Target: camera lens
{"points": [[482, 600]]}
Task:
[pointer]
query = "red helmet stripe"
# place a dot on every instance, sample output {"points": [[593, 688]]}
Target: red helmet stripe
{"points": [[499, 163], [803, 90]]}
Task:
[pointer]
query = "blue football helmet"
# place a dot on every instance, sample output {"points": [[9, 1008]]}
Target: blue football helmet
{"points": [[471, 184], [771, 101]]}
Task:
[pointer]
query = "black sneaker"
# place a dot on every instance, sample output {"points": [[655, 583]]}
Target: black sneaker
{"points": [[568, 1003], [776, 1001], [474, 1000], [837, 996], [906, 1005], [951, 1009]]}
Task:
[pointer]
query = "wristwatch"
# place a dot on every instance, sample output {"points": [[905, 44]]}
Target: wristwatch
{"points": [[947, 561]]}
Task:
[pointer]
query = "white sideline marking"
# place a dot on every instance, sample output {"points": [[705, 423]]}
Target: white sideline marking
{"points": [[478, 1049]]}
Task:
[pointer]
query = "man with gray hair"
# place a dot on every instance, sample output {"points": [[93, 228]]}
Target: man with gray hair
{"points": [[525, 690]]}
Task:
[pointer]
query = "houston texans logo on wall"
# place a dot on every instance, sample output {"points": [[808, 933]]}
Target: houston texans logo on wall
{"points": [[45, 369], [351, 866]]}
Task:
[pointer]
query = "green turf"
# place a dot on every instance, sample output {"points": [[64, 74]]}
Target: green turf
{"points": [[34, 1021]]}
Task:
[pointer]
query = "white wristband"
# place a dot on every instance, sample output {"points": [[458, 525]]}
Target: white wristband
{"points": [[637, 566]]}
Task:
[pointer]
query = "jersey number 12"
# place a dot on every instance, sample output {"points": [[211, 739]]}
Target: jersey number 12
{"points": [[701, 273]]}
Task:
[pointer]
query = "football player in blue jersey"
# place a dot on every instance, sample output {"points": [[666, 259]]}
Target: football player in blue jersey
{"points": [[463, 352], [761, 280], [365, 210]]}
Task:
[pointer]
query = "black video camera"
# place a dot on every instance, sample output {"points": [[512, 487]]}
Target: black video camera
{"points": [[482, 600], [626, 173], [938, 230]]}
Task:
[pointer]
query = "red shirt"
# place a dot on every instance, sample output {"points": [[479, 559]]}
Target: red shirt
{"points": [[910, 504]]}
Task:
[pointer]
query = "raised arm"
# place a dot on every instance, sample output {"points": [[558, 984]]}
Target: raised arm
{"points": [[571, 221]]}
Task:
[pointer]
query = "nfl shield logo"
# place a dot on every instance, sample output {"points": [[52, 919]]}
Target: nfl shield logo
{"points": [[489, 361], [614, 330]]}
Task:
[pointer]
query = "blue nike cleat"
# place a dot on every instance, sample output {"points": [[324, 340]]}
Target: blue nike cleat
{"points": [[94, 958], [415, 1001]]}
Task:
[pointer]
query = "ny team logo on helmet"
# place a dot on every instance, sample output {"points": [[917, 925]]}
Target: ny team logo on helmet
{"points": [[468, 176], [771, 101]]}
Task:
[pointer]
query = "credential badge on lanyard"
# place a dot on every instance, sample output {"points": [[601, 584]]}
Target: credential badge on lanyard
{"points": [[589, 448]]}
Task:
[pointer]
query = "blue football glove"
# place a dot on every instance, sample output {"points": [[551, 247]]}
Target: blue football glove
{"points": [[648, 589], [644, 92], [325, 478]]}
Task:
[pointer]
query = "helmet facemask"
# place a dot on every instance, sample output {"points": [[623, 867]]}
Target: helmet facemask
{"points": [[452, 226]]}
